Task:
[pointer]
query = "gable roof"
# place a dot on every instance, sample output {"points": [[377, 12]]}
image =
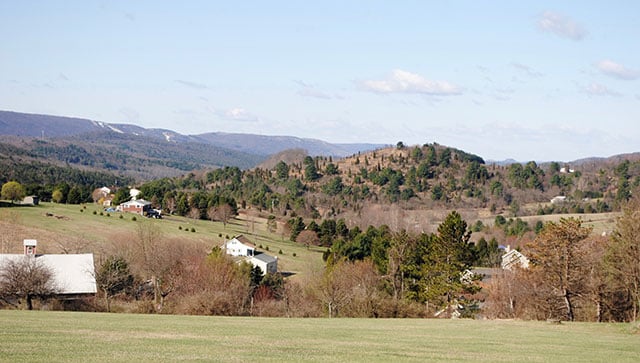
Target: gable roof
{"points": [[138, 202], [244, 240], [72, 273], [265, 258], [514, 258]]}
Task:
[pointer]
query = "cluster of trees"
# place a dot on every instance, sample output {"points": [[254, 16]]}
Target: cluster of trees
{"points": [[574, 275], [58, 193]]}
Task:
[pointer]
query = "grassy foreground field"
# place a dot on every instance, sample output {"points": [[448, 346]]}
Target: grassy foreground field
{"points": [[39, 336]]}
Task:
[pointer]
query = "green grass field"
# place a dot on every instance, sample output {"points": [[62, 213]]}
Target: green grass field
{"points": [[66, 222], [39, 336]]}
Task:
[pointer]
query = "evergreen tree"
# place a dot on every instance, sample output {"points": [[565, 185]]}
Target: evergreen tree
{"points": [[447, 256]]}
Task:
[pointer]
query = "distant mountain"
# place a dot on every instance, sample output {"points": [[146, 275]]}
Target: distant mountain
{"points": [[269, 145], [503, 162], [47, 126]]}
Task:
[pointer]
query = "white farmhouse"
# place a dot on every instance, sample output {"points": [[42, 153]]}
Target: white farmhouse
{"points": [[245, 250], [239, 246]]}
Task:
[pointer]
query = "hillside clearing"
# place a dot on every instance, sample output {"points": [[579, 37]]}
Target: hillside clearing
{"points": [[77, 229], [40, 336]]}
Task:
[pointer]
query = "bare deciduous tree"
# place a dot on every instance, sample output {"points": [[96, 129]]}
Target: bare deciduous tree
{"points": [[26, 279], [623, 256], [308, 238], [558, 260]]}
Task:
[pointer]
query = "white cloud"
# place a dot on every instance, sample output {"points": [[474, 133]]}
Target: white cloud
{"points": [[617, 70], [597, 89], [561, 25], [239, 114], [400, 81]]}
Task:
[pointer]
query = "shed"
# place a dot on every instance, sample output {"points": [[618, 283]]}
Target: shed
{"points": [[267, 263]]}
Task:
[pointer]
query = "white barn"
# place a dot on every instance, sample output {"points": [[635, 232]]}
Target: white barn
{"points": [[73, 274]]}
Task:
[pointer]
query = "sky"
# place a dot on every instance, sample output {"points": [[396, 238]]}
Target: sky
{"points": [[528, 80]]}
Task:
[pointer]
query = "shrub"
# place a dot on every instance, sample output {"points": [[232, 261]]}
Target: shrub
{"points": [[280, 252], [101, 213], [94, 213], [193, 229], [108, 214], [180, 228], [134, 218], [294, 254], [121, 216], [267, 248], [220, 235], [81, 210]]}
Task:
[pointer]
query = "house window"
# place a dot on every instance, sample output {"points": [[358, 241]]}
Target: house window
{"points": [[249, 252]]}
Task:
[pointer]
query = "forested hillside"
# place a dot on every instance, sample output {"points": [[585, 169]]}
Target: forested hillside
{"points": [[384, 186], [137, 157]]}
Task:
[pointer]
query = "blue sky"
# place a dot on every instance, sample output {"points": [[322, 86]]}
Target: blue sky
{"points": [[530, 80]]}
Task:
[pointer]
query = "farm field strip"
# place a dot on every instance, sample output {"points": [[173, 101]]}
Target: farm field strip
{"points": [[40, 336]]}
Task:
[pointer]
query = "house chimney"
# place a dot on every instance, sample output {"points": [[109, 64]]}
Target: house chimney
{"points": [[30, 247]]}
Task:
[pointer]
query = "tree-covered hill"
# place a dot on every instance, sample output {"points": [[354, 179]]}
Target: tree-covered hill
{"points": [[406, 187]]}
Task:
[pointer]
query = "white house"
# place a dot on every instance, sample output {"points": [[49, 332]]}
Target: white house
{"points": [[73, 274], [513, 258], [267, 263], [239, 246]]}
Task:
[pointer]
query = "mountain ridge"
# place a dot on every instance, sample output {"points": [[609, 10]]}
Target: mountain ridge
{"points": [[50, 126]]}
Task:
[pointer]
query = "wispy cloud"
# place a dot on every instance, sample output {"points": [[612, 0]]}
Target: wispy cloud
{"points": [[597, 89], [617, 70], [308, 90], [194, 85], [238, 114], [526, 69], [503, 94], [561, 26], [400, 81]]}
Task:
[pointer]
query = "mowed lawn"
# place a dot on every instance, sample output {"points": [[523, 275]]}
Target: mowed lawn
{"points": [[39, 336]]}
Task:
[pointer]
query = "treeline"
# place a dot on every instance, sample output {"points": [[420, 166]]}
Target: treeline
{"points": [[57, 183]]}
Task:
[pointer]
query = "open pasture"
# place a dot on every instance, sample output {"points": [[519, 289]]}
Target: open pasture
{"points": [[40, 336]]}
